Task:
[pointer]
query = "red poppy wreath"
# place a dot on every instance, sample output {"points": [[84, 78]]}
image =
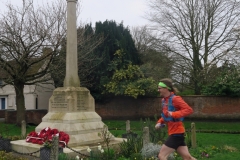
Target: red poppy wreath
{"points": [[46, 135]]}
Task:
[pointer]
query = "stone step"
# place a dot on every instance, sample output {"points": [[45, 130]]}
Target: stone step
{"points": [[23, 147]]}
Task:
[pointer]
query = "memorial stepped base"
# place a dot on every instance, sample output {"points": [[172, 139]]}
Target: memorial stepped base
{"points": [[83, 127], [22, 146]]}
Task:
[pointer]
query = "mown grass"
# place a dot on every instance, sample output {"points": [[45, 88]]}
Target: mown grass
{"points": [[7, 130], [214, 126], [216, 138], [119, 126], [218, 132], [212, 136], [228, 145], [200, 125], [226, 156]]}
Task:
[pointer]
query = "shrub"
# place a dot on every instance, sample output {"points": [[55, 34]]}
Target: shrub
{"points": [[204, 152], [135, 156], [150, 151], [156, 136], [9, 156], [130, 146]]}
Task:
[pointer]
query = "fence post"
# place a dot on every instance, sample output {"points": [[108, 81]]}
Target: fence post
{"points": [[145, 136], [128, 126], [193, 135], [54, 148], [23, 129]]}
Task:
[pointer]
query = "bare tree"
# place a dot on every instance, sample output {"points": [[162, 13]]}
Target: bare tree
{"points": [[156, 63], [200, 32], [145, 38], [30, 38], [87, 42], [88, 61]]}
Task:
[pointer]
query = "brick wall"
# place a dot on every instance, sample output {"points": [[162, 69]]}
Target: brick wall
{"points": [[32, 116], [128, 108], [205, 107], [2, 113], [214, 107]]}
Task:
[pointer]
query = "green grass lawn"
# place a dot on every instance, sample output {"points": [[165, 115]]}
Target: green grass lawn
{"points": [[228, 142], [214, 126], [227, 156], [218, 139], [7, 130], [221, 145]]}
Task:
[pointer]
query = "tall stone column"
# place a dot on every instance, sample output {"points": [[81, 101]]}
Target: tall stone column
{"points": [[71, 78], [71, 108]]}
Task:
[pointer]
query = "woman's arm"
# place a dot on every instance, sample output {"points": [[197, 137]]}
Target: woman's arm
{"points": [[182, 108]]}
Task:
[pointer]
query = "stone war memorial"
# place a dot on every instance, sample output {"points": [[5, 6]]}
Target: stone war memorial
{"points": [[71, 107]]}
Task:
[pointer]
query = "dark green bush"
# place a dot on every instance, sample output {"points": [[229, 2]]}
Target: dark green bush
{"points": [[130, 146], [9, 156]]}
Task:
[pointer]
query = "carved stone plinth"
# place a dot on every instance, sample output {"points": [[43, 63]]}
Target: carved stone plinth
{"points": [[72, 110]]}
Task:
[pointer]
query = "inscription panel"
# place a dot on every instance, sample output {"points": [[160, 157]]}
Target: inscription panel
{"points": [[59, 98], [59, 105], [59, 101], [81, 101]]}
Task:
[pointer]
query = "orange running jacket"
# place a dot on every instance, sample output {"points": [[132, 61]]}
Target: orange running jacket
{"points": [[182, 110]]}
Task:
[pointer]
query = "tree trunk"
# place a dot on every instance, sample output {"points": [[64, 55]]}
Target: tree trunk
{"points": [[197, 89], [20, 102], [197, 68]]}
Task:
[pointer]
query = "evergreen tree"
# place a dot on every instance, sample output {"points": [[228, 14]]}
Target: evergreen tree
{"points": [[116, 37], [128, 79]]}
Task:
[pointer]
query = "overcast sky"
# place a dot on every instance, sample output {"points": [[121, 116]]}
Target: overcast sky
{"points": [[131, 12]]}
